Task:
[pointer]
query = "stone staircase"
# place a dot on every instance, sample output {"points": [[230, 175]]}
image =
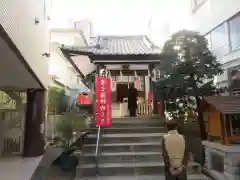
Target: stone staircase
{"points": [[130, 149]]}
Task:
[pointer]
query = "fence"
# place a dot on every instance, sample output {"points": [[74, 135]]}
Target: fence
{"points": [[11, 135], [144, 109]]}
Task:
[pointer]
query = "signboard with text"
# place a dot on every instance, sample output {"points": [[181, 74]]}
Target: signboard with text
{"points": [[103, 101]]}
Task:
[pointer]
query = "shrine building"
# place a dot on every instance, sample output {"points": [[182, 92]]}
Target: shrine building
{"points": [[127, 59]]}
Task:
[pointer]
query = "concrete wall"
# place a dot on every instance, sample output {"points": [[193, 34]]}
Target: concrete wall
{"points": [[18, 19], [86, 27], [60, 67], [228, 154], [207, 17], [212, 13], [68, 37]]}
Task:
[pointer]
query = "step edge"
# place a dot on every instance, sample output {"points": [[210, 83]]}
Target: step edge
{"points": [[126, 144], [123, 153], [129, 165]]}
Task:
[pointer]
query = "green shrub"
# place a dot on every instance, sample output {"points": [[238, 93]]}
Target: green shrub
{"points": [[57, 100], [69, 123]]}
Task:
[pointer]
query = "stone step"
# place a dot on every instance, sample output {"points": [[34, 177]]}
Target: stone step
{"points": [[124, 169], [125, 138], [137, 123], [151, 146], [122, 157], [133, 129], [143, 177]]}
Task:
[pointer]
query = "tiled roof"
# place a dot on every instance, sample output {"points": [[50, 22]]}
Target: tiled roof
{"points": [[225, 104], [124, 45], [120, 45]]}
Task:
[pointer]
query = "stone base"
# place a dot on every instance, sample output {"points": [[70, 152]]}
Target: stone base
{"points": [[230, 155]]}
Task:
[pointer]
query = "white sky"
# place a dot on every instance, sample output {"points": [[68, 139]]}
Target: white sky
{"points": [[125, 17]]}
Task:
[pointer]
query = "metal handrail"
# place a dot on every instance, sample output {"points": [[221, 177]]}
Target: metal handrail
{"points": [[97, 149]]}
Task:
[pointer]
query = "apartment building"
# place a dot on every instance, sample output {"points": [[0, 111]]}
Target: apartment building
{"points": [[219, 21], [24, 79]]}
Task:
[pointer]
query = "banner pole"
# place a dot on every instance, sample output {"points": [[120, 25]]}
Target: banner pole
{"points": [[95, 99]]}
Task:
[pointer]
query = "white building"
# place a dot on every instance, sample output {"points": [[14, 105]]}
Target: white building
{"points": [[24, 49], [219, 20], [65, 73], [86, 27], [27, 29]]}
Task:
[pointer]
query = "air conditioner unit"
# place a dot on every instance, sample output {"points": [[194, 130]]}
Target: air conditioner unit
{"points": [[155, 75]]}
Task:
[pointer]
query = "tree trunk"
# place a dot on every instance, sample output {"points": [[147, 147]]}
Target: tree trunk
{"points": [[201, 120]]}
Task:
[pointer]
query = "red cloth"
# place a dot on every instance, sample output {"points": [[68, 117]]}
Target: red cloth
{"points": [[83, 99], [149, 98]]}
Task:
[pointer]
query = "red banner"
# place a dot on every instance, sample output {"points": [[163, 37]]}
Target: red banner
{"points": [[149, 98], [103, 101]]}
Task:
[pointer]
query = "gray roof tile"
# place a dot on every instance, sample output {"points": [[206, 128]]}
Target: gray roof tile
{"points": [[124, 45], [120, 45]]}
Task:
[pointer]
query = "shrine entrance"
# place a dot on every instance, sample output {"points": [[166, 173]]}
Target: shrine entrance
{"points": [[122, 91], [127, 59]]}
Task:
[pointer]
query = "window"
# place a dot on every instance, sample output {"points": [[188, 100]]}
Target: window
{"points": [[234, 28], [158, 75], [118, 78], [220, 41]]}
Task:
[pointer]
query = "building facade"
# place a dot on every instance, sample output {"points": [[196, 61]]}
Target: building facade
{"points": [[86, 26], [62, 72], [27, 28], [24, 47], [219, 21]]}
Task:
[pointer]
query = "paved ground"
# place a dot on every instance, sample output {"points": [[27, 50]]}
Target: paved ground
{"points": [[47, 172]]}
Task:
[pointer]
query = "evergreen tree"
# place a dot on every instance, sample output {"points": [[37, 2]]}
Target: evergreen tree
{"points": [[187, 70]]}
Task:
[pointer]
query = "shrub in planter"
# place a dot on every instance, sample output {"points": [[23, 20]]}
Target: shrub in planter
{"points": [[68, 124]]}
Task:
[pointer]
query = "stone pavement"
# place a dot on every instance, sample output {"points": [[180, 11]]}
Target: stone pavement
{"points": [[47, 172]]}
